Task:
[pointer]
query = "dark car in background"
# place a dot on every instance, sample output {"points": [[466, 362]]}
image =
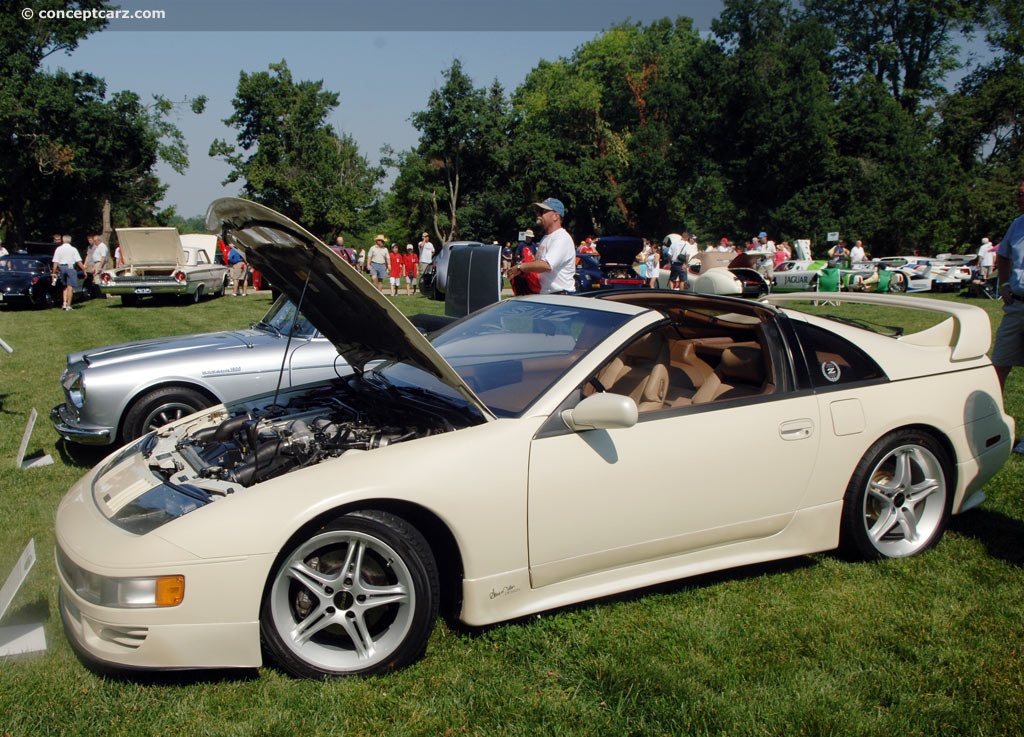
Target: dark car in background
{"points": [[434, 279], [26, 279], [612, 267]]}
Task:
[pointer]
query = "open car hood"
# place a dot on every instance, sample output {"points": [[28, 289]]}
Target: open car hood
{"points": [[339, 301], [618, 249], [141, 246]]}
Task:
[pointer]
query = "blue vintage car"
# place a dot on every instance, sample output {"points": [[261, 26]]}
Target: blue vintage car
{"points": [[26, 280]]}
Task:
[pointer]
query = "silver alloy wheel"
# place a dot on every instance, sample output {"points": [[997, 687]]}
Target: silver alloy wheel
{"points": [[904, 502], [343, 601], [165, 413]]}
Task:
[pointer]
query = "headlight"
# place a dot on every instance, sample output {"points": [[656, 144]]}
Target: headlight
{"points": [[76, 390], [123, 593]]}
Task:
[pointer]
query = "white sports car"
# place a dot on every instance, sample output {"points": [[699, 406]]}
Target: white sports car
{"points": [[289, 526]]}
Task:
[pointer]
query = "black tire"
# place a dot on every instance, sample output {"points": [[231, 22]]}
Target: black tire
{"points": [[50, 299], [160, 406], [195, 296], [899, 500], [219, 292], [129, 300], [322, 590]]}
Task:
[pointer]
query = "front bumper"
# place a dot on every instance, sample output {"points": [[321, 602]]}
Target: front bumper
{"points": [[68, 427], [216, 625]]}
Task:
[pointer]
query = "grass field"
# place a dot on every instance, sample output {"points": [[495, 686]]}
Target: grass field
{"points": [[809, 646]]}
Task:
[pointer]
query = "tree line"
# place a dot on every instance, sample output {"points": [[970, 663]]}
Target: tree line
{"points": [[795, 119]]}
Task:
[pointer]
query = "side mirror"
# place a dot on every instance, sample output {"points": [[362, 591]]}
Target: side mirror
{"points": [[604, 411]]}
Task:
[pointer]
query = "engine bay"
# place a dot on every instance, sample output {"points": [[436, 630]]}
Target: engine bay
{"points": [[254, 444]]}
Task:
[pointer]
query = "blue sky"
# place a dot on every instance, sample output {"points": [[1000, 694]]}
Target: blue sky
{"points": [[382, 73]]}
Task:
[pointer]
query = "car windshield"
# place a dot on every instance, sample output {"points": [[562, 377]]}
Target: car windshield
{"points": [[279, 320], [510, 353]]}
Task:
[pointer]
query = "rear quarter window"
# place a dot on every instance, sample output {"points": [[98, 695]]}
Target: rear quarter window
{"points": [[832, 360]]}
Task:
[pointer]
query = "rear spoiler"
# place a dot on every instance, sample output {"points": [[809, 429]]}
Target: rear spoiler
{"points": [[968, 331]]}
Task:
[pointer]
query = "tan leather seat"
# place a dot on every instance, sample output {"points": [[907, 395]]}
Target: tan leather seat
{"points": [[740, 373], [688, 370], [655, 389]]}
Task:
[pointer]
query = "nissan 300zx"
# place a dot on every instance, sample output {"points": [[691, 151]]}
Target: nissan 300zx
{"points": [[288, 527]]}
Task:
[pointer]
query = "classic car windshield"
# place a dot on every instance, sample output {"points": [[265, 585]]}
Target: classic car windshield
{"points": [[509, 354], [279, 319], [22, 264]]}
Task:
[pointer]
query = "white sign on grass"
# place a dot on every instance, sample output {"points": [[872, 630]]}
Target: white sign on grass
{"points": [[22, 638]]}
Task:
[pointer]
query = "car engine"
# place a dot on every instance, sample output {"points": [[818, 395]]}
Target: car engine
{"points": [[258, 444]]}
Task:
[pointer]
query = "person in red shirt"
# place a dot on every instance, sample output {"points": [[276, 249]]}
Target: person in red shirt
{"points": [[411, 264], [396, 269]]}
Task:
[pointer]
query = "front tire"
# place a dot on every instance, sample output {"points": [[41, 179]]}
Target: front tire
{"points": [[159, 407], [899, 499], [357, 597]]}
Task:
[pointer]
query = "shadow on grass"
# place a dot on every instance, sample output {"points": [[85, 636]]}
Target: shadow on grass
{"points": [[82, 456], [1001, 535]]}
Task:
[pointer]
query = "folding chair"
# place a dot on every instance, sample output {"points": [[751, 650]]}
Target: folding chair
{"points": [[827, 281]]}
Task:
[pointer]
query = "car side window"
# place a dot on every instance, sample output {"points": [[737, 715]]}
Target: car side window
{"points": [[832, 360], [684, 365]]}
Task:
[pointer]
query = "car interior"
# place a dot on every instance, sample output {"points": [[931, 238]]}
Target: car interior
{"points": [[698, 358]]}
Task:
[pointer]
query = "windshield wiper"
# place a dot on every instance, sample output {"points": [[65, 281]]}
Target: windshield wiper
{"points": [[267, 326]]}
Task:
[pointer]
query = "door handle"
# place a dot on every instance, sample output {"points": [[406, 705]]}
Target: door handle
{"points": [[796, 429]]}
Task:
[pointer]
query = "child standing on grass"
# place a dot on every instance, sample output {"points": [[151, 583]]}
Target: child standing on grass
{"points": [[397, 269], [411, 263]]}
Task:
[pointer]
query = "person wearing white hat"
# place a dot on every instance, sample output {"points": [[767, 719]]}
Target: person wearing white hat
{"points": [[377, 260]]}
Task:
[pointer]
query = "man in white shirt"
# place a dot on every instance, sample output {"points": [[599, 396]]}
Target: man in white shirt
{"points": [[857, 254], [555, 262], [987, 258], [426, 253], [65, 258], [98, 258]]}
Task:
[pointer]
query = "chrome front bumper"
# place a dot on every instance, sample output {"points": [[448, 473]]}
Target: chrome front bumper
{"points": [[66, 426]]}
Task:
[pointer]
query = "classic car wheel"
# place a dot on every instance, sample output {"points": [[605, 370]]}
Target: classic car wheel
{"points": [[196, 295], [898, 501], [358, 597], [159, 407], [898, 283], [221, 288], [49, 299]]}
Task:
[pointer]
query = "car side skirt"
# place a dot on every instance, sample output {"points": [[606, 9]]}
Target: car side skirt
{"points": [[511, 594]]}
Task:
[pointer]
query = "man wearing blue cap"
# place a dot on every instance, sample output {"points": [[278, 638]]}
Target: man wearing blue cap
{"points": [[555, 263]]}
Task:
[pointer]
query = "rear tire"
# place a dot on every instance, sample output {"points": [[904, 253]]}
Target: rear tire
{"points": [[898, 502], [356, 597]]}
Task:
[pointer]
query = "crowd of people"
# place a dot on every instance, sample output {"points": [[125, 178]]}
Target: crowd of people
{"points": [[391, 265], [66, 258]]}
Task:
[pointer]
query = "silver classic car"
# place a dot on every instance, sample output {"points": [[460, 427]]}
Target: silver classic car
{"points": [[120, 392], [156, 263]]}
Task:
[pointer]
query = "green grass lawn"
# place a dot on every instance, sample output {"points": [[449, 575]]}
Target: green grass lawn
{"points": [[810, 646]]}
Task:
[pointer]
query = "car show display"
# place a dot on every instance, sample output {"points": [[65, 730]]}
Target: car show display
{"points": [[158, 264], [277, 527]]}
